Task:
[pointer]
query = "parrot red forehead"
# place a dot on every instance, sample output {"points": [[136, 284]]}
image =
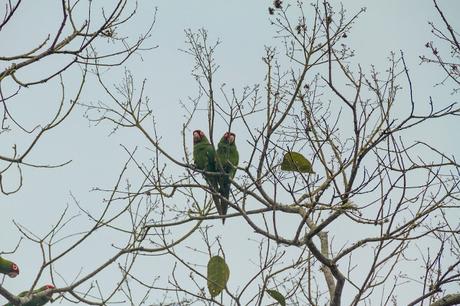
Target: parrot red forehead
{"points": [[48, 286], [199, 133], [230, 137]]}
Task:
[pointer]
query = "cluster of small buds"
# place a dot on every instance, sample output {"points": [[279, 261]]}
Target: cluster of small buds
{"points": [[278, 4]]}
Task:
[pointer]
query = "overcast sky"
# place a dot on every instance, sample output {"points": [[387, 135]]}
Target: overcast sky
{"points": [[243, 27]]}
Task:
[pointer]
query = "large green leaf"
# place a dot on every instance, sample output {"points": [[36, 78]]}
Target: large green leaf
{"points": [[218, 274], [294, 161], [277, 296]]}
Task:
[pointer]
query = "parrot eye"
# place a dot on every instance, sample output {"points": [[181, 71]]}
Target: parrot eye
{"points": [[197, 134], [15, 267]]}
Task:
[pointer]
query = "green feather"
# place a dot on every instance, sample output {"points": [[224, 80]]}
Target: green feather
{"points": [[228, 158], [8, 267], [204, 157], [36, 301]]}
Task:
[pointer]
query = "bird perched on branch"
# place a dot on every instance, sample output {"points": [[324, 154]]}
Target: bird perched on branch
{"points": [[204, 157], [39, 300], [8, 267], [227, 157]]}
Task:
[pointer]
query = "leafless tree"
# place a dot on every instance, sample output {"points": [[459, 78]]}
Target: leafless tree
{"points": [[78, 44], [445, 35], [88, 34], [350, 233]]}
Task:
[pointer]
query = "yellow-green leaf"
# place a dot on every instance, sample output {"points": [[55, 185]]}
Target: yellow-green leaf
{"points": [[294, 161], [277, 296], [218, 274]]}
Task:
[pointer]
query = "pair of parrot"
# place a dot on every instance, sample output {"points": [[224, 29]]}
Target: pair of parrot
{"points": [[222, 162], [12, 270]]}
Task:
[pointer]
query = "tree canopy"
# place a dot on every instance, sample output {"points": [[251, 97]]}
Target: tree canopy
{"points": [[339, 193]]}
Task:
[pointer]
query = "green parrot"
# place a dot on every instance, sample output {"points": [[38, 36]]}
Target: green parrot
{"points": [[204, 157], [8, 267], [228, 157], [36, 301]]}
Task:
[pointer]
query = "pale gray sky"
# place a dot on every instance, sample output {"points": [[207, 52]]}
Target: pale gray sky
{"points": [[244, 29]]}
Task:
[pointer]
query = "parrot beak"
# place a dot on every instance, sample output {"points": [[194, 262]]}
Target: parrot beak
{"points": [[49, 287], [196, 136], [15, 271], [231, 138]]}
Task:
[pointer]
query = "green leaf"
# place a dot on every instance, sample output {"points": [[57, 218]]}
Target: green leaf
{"points": [[277, 296], [218, 274], [294, 161]]}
